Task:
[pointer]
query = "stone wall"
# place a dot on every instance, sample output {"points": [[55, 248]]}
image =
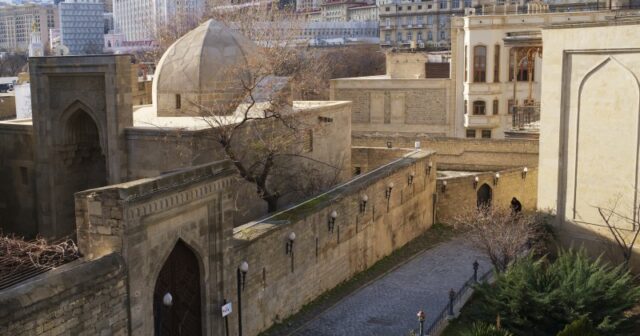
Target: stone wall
{"points": [[365, 159], [17, 179], [397, 106], [461, 193], [279, 284], [80, 298], [462, 154]]}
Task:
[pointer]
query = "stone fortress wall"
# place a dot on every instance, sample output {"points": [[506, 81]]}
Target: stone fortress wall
{"points": [[126, 231], [461, 154], [460, 192], [279, 284], [80, 298]]}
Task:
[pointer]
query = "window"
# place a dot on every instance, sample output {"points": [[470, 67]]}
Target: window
{"points": [[408, 7], [466, 105], [443, 35], [467, 3], [496, 106], [357, 171], [430, 19], [178, 101], [496, 64], [471, 133], [419, 36], [24, 176], [510, 105], [399, 8], [455, 4], [479, 64], [387, 21], [443, 4], [486, 134], [466, 67], [429, 36], [420, 7], [523, 70], [307, 141], [479, 107], [409, 36], [386, 9], [399, 37], [387, 36]]}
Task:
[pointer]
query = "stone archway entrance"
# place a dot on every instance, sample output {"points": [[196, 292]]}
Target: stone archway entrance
{"points": [[179, 277], [484, 195]]}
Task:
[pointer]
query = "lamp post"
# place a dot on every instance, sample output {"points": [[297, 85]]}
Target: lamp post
{"points": [[387, 193], [289, 247], [496, 178], [429, 167], [525, 170], [363, 203], [444, 187], [475, 182], [452, 296], [167, 301], [421, 318], [332, 220], [242, 270], [412, 175], [475, 270]]}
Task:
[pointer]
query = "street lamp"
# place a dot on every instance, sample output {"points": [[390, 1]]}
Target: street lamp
{"points": [[388, 191], [429, 168], [475, 182], [167, 301], [452, 296], [421, 318], [412, 175], [241, 273], [525, 170], [475, 270], [496, 178], [290, 239], [363, 203], [332, 220], [444, 187]]}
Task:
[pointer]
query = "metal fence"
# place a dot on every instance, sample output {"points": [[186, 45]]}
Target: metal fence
{"points": [[459, 299]]}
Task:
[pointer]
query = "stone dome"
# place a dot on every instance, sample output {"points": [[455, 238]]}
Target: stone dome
{"points": [[194, 71]]}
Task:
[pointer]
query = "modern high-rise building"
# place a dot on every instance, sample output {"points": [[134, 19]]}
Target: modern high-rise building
{"points": [[18, 22], [82, 26], [140, 20]]}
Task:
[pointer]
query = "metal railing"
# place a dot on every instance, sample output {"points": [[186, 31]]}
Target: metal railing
{"points": [[525, 115], [459, 299]]}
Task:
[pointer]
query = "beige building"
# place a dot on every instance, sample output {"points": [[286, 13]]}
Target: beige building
{"points": [[497, 70], [589, 128], [413, 98], [18, 22]]}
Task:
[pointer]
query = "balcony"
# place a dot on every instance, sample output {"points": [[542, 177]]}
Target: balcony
{"points": [[387, 27], [525, 122], [482, 121]]}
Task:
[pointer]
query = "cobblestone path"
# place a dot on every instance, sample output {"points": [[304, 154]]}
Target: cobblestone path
{"points": [[388, 306]]}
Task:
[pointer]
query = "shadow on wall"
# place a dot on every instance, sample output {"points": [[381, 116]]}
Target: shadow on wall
{"points": [[598, 241], [496, 188]]}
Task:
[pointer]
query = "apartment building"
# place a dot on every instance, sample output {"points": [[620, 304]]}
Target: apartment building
{"points": [[19, 21], [82, 26]]}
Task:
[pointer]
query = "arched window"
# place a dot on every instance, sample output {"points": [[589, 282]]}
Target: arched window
{"points": [[479, 64], [479, 107]]}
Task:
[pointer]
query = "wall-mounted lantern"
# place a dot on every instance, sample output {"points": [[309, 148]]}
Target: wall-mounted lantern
{"points": [[290, 239], [525, 170], [429, 168], [496, 178], [389, 144], [443, 188], [332, 220], [387, 193], [475, 182], [412, 175], [363, 203]]}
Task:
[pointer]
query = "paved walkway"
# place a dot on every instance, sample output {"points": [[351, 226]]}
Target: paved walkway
{"points": [[388, 306]]}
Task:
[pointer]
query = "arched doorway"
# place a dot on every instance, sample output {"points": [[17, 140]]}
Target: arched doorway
{"points": [[82, 164], [180, 277], [484, 196]]}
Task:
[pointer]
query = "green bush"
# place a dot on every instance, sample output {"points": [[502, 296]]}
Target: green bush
{"points": [[579, 327], [484, 329], [538, 297]]}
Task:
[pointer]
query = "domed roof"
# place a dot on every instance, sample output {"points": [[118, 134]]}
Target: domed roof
{"points": [[196, 67]]}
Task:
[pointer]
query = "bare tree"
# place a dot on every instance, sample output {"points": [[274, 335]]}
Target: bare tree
{"points": [[502, 234], [253, 119], [623, 228]]}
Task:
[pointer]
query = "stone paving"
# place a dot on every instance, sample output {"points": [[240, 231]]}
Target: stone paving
{"points": [[388, 306]]}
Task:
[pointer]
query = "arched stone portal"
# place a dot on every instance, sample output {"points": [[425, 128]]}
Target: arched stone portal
{"points": [[484, 195], [180, 277], [82, 164]]}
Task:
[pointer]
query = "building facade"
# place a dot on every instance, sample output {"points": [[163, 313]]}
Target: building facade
{"points": [[497, 67], [82, 26], [140, 20], [589, 131], [18, 22]]}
